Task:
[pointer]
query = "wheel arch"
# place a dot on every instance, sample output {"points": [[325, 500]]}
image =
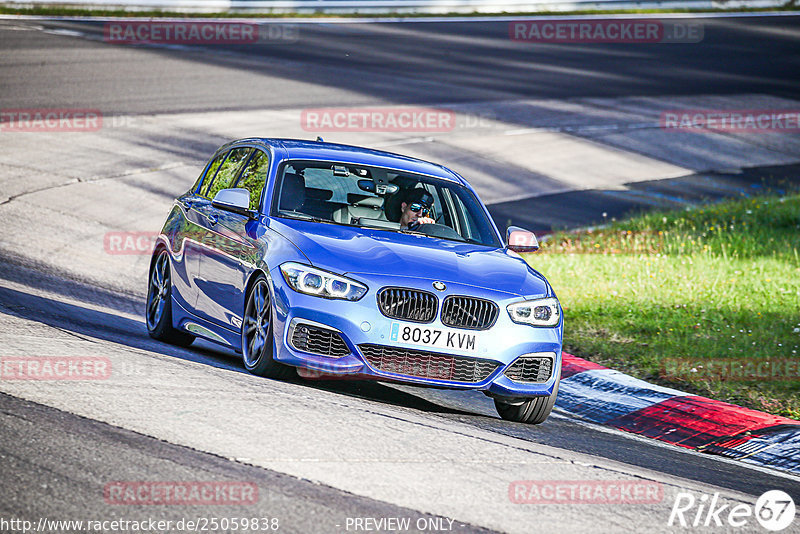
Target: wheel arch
{"points": [[157, 248], [251, 279]]}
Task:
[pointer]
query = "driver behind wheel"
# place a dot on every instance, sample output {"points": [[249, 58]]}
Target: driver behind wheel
{"points": [[415, 209]]}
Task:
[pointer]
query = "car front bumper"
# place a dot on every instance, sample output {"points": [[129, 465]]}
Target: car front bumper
{"points": [[364, 330]]}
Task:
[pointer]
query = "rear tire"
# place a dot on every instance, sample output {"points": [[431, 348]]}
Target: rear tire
{"points": [[158, 310], [258, 348], [532, 411]]}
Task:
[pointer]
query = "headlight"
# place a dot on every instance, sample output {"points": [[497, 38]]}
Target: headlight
{"points": [[539, 312], [312, 281]]}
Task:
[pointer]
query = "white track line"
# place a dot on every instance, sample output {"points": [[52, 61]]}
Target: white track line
{"points": [[385, 20]]}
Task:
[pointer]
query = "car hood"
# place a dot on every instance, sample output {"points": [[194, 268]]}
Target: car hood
{"points": [[349, 250]]}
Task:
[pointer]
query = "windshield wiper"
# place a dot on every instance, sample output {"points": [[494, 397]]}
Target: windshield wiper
{"points": [[412, 232], [303, 216]]}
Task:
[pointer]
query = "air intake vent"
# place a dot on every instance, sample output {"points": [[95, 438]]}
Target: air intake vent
{"points": [[318, 340], [469, 312], [531, 369], [424, 364], [408, 304]]}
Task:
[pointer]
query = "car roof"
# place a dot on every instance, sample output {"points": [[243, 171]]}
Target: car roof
{"points": [[320, 150]]}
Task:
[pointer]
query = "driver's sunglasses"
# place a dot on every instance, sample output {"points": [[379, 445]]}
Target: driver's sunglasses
{"points": [[416, 207]]}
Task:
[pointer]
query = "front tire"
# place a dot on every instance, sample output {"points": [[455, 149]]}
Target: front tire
{"points": [[257, 335], [532, 411], [158, 311]]}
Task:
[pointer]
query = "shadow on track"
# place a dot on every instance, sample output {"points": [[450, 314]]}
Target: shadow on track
{"points": [[85, 322]]}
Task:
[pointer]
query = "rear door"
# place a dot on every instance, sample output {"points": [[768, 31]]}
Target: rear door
{"points": [[185, 238], [235, 250]]}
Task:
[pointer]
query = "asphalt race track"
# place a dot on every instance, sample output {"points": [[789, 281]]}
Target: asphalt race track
{"points": [[540, 129]]}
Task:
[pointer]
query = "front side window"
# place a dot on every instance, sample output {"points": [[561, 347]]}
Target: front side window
{"points": [[374, 197], [226, 174], [254, 176]]}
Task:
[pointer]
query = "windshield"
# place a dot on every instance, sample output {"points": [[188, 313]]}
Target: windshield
{"points": [[390, 200]]}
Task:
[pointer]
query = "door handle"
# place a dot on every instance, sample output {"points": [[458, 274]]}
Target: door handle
{"points": [[212, 219]]}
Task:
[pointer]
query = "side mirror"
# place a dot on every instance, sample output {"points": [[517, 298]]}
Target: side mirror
{"points": [[235, 200], [521, 240]]}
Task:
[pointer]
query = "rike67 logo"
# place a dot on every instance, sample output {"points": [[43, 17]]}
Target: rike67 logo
{"points": [[774, 511]]}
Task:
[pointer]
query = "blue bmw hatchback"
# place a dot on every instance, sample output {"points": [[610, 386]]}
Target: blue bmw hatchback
{"points": [[309, 257]]}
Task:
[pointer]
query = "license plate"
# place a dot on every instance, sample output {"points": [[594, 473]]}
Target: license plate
{"points": [[440, 338]]}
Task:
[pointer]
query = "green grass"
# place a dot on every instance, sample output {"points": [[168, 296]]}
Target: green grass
{"points": [[64, 11], [711, 283]]}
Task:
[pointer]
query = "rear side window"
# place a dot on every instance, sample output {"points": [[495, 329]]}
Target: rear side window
{"points": [[209, 174], [226, 174], [254, 176]]}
